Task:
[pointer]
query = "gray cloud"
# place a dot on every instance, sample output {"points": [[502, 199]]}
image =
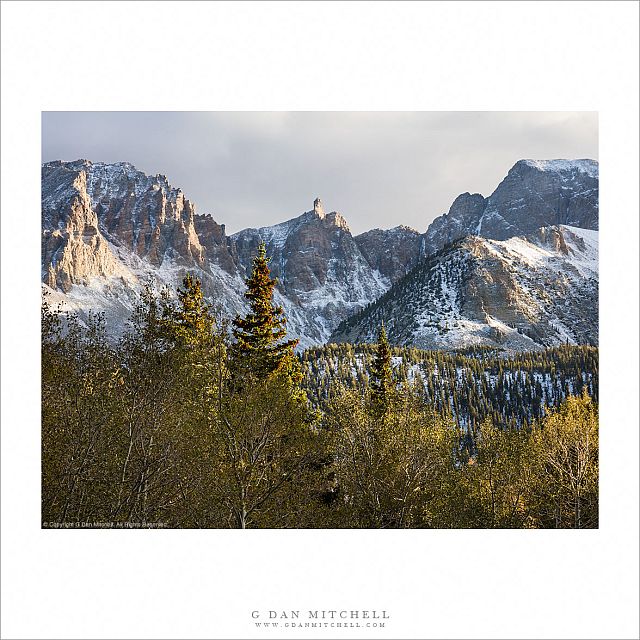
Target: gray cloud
{"points": [[379, 169]]}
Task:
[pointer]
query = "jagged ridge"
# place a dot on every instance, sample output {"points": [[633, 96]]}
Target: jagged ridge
{"points": [[523, 293], [109, 228], [534, 194]]}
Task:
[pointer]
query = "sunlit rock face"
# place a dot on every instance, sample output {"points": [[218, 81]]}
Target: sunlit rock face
{"points": [[524, 293], [323, 277], [108, 230]]}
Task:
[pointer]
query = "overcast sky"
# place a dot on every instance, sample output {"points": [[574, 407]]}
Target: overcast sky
{"points": [[379, 169]]}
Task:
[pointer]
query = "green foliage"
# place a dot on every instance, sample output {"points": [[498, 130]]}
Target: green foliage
{"points": [[493, 486], [258, 336], [192, 320], [567, 448], [389, 467], [266, 444], [79, 408], [155, 430], [151, 430], [381, 375], [468, 386]]}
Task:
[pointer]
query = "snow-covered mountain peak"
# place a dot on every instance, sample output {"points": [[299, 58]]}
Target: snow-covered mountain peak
{"points": [[108, 228], [106, 181], [534, 194], [590, 167], [522, 293]]}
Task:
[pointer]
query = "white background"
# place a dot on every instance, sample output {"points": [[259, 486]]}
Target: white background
{"points": [[320, 56]]}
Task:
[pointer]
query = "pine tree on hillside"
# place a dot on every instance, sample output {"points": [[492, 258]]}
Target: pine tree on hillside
{"points": [[193, 321], [381, 374], [258, 336]]}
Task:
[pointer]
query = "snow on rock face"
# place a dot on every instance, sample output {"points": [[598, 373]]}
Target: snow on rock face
{"points": [[322, 275], [73, 247], [465, 217], [590, 167], [393, 252], [522, 293], [143, 213], [108, 229], [534, 194]]}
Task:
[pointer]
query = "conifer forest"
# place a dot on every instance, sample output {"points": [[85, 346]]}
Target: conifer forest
{"points": [[195, 420]]}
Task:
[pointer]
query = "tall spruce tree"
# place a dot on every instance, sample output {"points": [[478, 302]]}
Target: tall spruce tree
{"points": [[381, 375], [259, 347], [193, 322]]}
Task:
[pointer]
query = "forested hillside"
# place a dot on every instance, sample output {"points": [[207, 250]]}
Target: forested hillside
{"points": [[511, 389], [194, 420]]}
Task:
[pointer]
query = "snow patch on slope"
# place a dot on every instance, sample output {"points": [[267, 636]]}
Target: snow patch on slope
{"points": [[590, 167]]}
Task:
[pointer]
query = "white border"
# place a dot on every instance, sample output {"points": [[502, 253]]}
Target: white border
{"points": [[343, 56]]}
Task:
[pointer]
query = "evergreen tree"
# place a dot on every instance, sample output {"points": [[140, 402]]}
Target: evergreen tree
{"points": [[192, 322], [381, 375], [258, 336], [147, 430]]}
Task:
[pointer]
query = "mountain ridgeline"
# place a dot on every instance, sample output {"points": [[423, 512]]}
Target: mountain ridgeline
{"points": [[516, 294], [517, 270]]}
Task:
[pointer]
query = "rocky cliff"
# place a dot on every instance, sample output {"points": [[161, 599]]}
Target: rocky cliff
{"points": [[534, 194], [323, 276], [522, 293], [108, 229], [74, 250], [393, 252]]}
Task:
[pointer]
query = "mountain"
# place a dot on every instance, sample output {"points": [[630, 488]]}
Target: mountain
{"points": [[323, 276], [523, 293], [534, 194], [109, 229], [73, 247]]}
